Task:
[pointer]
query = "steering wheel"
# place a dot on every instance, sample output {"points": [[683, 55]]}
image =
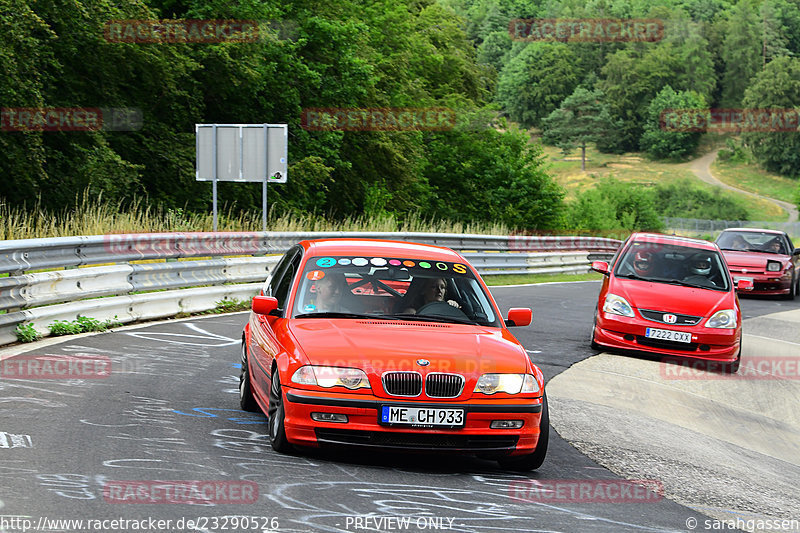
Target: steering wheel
{"points": [[443, 309], [700, 280]]}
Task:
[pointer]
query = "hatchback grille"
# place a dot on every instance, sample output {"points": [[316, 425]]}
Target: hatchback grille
{"points": [[681, 320], [402, 383], [444, 385]]}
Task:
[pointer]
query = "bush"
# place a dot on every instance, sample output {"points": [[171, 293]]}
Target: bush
{"points": [[27, 333]]}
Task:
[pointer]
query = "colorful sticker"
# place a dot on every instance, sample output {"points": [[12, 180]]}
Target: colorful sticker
{"points": [[441, 266], [424, 264], [378, 261], [395, 262], [344, 261], [315, 275], [360, 262], [409, 264], [309, 307], [326, 262], [458, 268]]}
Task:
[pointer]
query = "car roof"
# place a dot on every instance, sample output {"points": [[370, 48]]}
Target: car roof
{"points": [[756, 230], [659, 238], [380, 247]]}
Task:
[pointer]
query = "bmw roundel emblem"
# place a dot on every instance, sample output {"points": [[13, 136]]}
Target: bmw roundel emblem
{"points": [[670, 319], [423, 362]]}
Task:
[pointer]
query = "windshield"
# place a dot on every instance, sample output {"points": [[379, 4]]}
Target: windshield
{"points": [[392, 288], [752, 241], [674, 264]]}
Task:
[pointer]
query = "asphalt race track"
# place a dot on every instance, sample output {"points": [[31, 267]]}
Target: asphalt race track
{"points": [[169, 411]]}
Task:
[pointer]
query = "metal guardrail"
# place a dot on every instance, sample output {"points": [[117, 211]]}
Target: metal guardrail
{"points": [[697, 226], [36, 293]]}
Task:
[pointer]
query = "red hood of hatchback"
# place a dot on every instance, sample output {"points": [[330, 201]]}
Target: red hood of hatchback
{"points": [[672, 298], [383, 345], [753, 260]]}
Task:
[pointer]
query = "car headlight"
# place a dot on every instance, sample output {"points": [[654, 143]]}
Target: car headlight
{"points": [[331, 376], [774, 266], [509, 383], [617, 305], [722, 319]]}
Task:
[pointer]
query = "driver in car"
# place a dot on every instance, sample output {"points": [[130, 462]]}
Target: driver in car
{"points": [[434, 291]]}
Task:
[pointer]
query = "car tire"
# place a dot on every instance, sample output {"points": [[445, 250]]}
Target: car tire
{"points": [[532, 461], [594, 344], [246, 400], [277, 416]]}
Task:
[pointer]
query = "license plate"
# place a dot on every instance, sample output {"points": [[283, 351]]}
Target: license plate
{"points": [[422, 416], [668, 335]]}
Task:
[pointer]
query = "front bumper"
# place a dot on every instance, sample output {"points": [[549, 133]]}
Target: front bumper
{"points": [[625, 333], [363, 430], [766, 284]]}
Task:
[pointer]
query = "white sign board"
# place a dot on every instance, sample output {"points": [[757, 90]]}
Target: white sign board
{"points": [[242, 152]]}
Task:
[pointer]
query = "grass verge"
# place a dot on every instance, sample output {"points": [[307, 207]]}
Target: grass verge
{"points": [[526, 279]]}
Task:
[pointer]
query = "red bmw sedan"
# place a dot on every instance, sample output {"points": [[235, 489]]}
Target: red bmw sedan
{"points": [[390, 345], [767, 257], [670, 296]]}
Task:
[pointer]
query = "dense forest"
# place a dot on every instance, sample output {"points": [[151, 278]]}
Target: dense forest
{"points": [[457, 54]]}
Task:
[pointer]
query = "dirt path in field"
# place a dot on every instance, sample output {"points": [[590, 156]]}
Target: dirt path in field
{"points": [[702, 169]]}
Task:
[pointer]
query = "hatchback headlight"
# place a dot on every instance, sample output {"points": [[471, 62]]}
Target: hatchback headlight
{"points": [[617, 305], [508, 383], [331, 376], [722, 319]]}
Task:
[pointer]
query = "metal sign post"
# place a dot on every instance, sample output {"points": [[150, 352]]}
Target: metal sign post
{"points": [[242, 152]]}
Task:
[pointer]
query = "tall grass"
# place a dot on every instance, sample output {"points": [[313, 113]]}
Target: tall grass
{"points": [[94, 217]]}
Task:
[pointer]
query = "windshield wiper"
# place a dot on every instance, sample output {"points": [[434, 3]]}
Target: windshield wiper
{"points": [[337, 314], [632, 276], [435, 318]]}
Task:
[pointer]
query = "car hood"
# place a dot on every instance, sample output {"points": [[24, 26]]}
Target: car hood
{"points": [[377, 346], [753, 260], [672, 298]]}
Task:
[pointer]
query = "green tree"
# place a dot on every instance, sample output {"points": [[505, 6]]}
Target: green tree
{"points": [[582, 118], [660, 140], [741, 52], [534, 82], [777, 87], [491, 176]]}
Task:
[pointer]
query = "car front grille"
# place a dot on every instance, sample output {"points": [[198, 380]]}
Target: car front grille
{"points": [[407, 384], [444, 385], [682, 320]]}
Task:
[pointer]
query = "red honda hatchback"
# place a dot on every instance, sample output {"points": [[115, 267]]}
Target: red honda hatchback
{"points": [[671, 296]]}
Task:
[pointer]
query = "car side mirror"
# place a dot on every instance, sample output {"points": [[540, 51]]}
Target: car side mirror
{"points": [[519, 316], [744, 284], [796, 251], [264, 305], [600, 266]]}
